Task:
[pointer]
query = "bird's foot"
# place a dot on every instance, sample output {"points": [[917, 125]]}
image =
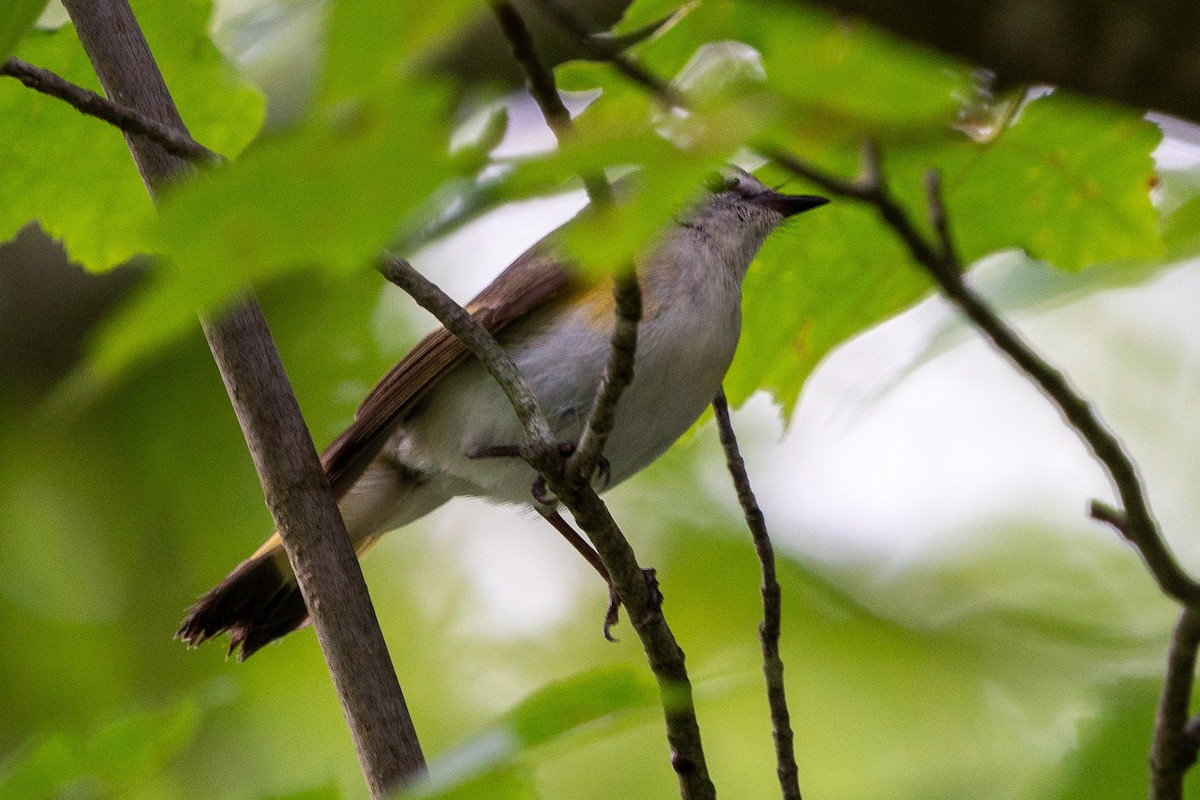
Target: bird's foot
{"points": [[653, 608], [541, 494]]}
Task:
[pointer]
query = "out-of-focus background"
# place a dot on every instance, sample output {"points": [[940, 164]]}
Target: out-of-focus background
{"points": [[954, 624]]}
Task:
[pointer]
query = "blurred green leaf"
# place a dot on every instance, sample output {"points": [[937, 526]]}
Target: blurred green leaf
{"points": [[74, 173], [558, 708], [17, 19], [370, 44], [326, 194], [1110, 760], [491, 761], [828, 275], [116, 757]]}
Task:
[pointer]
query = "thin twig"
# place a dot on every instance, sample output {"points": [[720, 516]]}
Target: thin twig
{"points": [[541, 85], [1173, 751], [582, 30], [617, 377], [1173, 747], [127, 119], [769, 630]]}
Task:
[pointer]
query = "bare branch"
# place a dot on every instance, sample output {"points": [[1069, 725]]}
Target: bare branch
{"points": [[543, 89], [769, 630], [542, 449], [1174, 750], [636, 588], [1139, 525], [617, 377], [579, 27], [294, 484], [88, 102]]}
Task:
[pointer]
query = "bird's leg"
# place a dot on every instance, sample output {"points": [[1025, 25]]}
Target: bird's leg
{"points": [[581, 545]]}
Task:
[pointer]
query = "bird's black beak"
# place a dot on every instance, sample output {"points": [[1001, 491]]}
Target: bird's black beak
{"points": [[791, 204]]}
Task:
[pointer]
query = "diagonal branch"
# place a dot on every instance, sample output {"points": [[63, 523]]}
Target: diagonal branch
{"points": [[781, 726], [626, 292], [127, 119], [617, 377], [1137, 523], [583, 31], [634, 585], [542, 448], [1173, 746], [541, 85]]}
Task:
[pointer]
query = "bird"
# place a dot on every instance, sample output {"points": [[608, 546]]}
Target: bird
{"points": [[437, 425]]}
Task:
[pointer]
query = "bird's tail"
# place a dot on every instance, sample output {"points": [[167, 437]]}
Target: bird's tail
{"points": [[260, 601]]}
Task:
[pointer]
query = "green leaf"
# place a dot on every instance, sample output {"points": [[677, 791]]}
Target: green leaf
{"points": [[1110, 761], [558, 708], [16, 20], [834, 69], [371, 43], [122, 753], [488, 765], [327, 193], [829, 274], [1069, 182], [73, 174]]}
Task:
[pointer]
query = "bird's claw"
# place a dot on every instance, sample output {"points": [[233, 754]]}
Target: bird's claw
{"points": [[612, 616], [653, 607]]}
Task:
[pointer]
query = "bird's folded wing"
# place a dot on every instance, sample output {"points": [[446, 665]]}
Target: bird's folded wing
{"points": [[530, 281]]}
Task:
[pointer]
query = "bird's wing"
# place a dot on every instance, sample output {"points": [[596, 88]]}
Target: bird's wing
{"points": [[535, 277]]}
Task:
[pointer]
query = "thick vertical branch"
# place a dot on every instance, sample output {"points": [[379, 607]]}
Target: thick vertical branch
{"points": [[297, 493], [772, 602]]}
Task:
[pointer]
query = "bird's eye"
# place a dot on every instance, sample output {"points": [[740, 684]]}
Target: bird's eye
{"points": [[718, 183]]}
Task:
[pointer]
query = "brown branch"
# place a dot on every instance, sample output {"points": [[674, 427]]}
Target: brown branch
{"points": [[578, 26], [294, 484], [540, 81], [540, 448], [769, 630], [1173, 750], [634, 585], [127, 119], [617, 377], [1173, 747], [943, 265]]}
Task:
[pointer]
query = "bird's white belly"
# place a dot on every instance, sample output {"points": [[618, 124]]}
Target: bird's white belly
{"points": [[683, 353]]}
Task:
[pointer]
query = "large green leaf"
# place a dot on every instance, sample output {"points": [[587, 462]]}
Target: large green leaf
{"points": [[74, 174]]}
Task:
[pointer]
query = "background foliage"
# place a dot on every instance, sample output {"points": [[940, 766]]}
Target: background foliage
{"points": [[127, 490]]}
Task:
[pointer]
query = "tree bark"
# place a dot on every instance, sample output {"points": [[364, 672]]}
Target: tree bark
{"points": [[293, 481]]}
